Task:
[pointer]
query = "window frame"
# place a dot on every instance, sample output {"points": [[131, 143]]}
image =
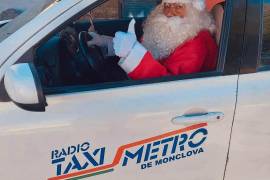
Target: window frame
{"points": [[254, 38], [263, 67], [235, 19]]}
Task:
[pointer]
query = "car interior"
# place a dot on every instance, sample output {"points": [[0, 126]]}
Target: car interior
{"points": [[65, 59]]}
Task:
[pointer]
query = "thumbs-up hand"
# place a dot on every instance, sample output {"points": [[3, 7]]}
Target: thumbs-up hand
{"points": [[131, 26], [124, 42]]}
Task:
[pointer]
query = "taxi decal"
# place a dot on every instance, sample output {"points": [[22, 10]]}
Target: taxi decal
{"points": [[147, 153]]}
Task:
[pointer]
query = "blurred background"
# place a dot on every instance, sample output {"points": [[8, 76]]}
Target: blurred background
{"points": [[114, 8]]}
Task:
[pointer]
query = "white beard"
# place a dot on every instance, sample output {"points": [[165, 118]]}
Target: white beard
{"points": [[162, 35]]}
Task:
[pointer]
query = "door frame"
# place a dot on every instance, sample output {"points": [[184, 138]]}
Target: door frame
{"points": [[253, 37]]}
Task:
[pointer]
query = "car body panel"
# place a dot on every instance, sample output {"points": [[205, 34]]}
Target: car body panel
{"points": [[114, 117], [249, 152], [133, 116]]}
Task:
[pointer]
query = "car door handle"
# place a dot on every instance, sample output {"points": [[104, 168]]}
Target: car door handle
{"points": [[198, 118]]}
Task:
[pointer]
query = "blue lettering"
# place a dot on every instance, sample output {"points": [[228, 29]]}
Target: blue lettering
{"points": [[178, 156], [90, 158], [189, 153], [195, 151], [183, 155], [199, 131], [72, 150], [158, 162], [63, 153], [58, 166], [155, 150], [55, 154], [147, 153], [172, 158], [130, 155], [175, 144], [182, 143], [75, 164], [165, 160], [200, 150], [85, 146], [165, 147]]}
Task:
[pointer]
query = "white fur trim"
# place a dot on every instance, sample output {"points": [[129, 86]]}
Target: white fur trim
{"points": [[134, 58]]}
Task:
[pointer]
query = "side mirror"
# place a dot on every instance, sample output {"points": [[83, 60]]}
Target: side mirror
{"points": [[24, 88]]}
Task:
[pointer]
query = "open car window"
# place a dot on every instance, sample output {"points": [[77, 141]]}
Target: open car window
{"points": [[61, 64]]}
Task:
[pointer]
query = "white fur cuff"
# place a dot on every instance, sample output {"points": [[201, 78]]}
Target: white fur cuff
{"points": [[134, 58]]}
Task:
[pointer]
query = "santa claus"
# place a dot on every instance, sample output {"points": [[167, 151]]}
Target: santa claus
{"points": [[177, 40]]}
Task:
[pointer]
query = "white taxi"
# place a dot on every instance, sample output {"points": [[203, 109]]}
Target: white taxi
{"points": [[207, 126]]}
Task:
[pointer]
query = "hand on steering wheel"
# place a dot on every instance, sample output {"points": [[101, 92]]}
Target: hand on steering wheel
{"points": [[102, 41], [92, 54]]}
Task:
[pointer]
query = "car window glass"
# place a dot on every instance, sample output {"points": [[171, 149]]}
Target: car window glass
{"points": [[60, 61], [265, 56]]}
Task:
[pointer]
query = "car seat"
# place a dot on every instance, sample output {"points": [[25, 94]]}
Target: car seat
{"points": [[47, 62]]}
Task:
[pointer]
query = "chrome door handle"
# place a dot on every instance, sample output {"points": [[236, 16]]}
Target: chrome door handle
{"points": [[198, 118]]}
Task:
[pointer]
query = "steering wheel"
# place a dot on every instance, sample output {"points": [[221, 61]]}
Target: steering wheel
{"points": [[106, 70], [93, 54]]}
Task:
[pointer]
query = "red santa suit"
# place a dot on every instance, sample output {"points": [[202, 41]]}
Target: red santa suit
{"points": [[171, 45], [196, 55]]}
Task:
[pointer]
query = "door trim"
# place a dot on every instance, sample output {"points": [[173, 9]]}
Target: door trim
{"points": [[253, 37]]}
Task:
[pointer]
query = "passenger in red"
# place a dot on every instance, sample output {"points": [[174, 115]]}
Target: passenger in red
{"points": [[177, 40]]}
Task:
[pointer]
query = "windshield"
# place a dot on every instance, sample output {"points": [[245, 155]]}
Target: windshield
{"points": [[20, 16]]}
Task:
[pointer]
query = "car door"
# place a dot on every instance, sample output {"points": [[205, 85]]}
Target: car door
{"points": [[249, 152], [132, 132], [167, 128]]}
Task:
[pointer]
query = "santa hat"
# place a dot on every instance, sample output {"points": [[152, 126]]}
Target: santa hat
{"points": [[199, 4]]}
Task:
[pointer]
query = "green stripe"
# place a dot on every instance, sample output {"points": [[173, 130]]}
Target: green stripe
{"points": [[90, 175]]}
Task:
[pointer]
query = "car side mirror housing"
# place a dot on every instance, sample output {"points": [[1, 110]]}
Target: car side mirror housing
{"points": [[24, 88]]}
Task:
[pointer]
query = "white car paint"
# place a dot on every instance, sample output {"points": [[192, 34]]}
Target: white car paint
{"points": [[20, 84], [249, 152], [110, 118], [114, 117]]}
